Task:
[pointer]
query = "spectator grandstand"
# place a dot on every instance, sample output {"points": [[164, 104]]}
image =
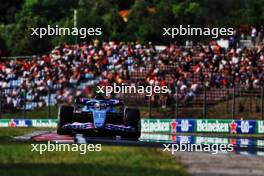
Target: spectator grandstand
{"points": [[75, 70]]}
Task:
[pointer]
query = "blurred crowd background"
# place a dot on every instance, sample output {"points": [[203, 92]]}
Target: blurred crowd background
{"points": [[200, 72], [74, 71]]}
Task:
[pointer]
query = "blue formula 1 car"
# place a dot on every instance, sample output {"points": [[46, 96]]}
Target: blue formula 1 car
{"points": [[99, 117]]}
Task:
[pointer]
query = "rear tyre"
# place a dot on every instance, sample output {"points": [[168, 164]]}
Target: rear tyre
{"points": [[132, 118], [65, 116]]}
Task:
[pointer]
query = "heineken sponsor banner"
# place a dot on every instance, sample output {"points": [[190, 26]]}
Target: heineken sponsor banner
{"points": [[167, 125], [227, 126], [5, 122], [202, 126], [156, 125], [260, 126], [44, 122], [20, 123], [185, 125], [217, 126], [245, 126], [12, 123]]}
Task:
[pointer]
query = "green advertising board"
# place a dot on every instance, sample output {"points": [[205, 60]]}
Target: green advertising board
{"points": [[156, 125], [213, 126], [260, 127], [5, 122], [203, 126], [44, 123], [12, 123], [165, 125]]}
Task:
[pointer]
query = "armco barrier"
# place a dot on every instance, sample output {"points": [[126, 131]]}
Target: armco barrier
{"points": [[168, 126], [28, 123], [202, 126]]}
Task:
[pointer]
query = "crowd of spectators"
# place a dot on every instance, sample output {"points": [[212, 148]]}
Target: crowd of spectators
{"points": [[76, 70]]}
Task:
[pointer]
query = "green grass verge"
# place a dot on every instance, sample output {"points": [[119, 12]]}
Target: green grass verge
{"points": [[16, 158]]}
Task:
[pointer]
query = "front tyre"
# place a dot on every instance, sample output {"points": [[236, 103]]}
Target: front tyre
{"points": [[65, 115]]}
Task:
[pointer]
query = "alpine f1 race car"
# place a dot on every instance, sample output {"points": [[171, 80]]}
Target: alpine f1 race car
{"points": [[99, 117]]}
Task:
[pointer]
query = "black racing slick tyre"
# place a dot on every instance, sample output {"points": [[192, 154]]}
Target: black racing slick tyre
{"points": [[65, 115], [132, 118]]}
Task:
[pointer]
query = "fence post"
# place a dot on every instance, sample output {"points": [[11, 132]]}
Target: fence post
{"points": [[204, 102], [262, 102], [24, 102], [176, 104], [49, 99], [227, 100], [149, 106], [234, 102], [251, 92]]}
